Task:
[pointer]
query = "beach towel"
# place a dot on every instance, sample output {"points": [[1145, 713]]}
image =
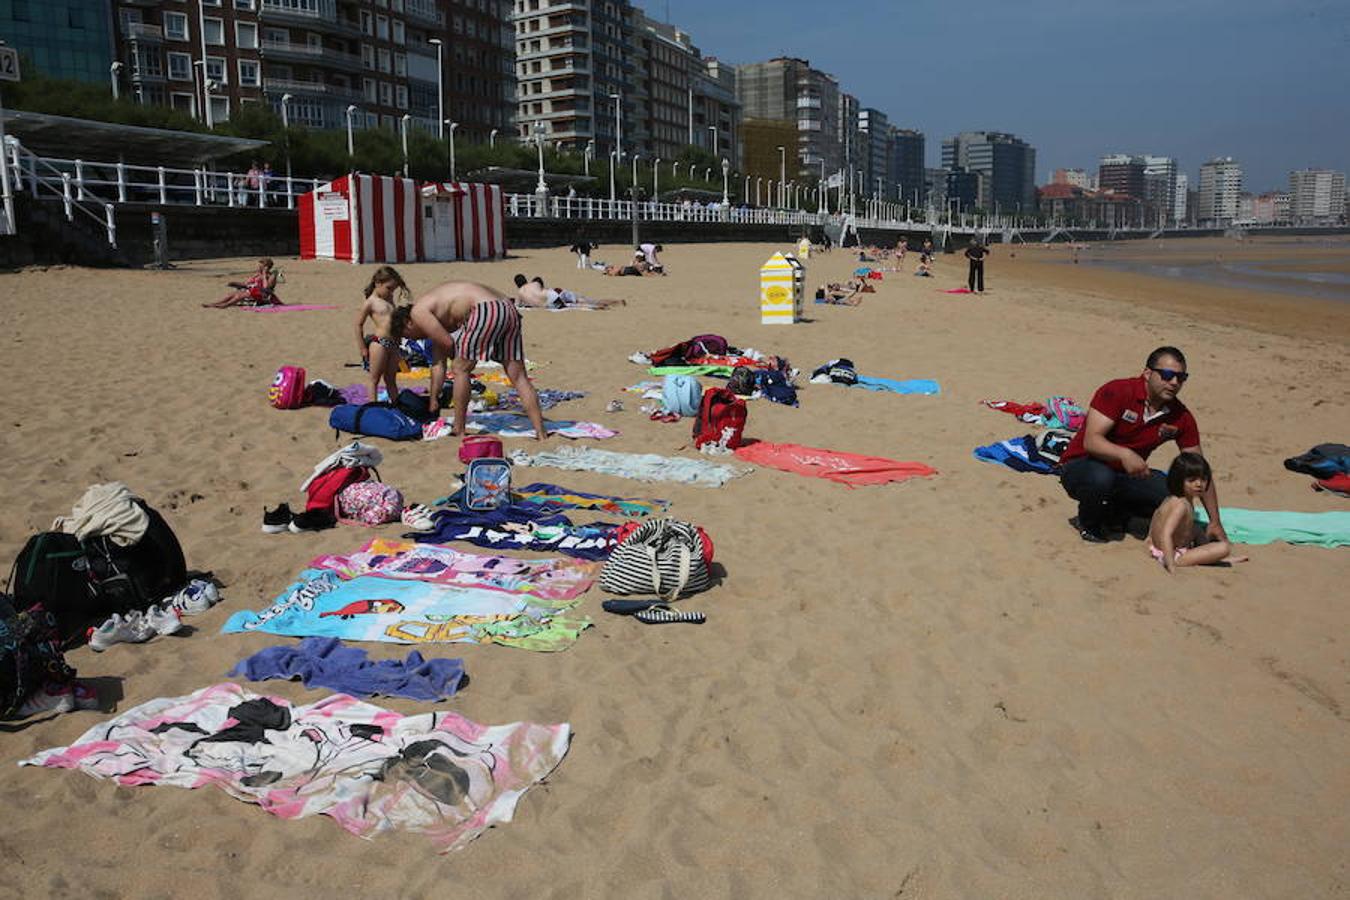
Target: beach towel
{"points": [[520, 526], [1030, 413], [958, 290], [909, 386], [371, 769], [850, 469], [516, 425], [1265, 526], [509, 401], [290, 307], [552, 498], [721, 371], [553, 578], [371, 608], [1018, 454], [324, 662], [638, 466]]}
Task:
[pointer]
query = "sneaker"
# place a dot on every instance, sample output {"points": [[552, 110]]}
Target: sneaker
{"points": [[163, 619], [1092, 536], [614, 406], [275, 521], [418, 518], [133, 629], [50, 697], [312, 520], [197, 597]]}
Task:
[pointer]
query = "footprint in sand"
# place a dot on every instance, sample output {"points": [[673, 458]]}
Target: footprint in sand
{"points": [[1304, 685]]}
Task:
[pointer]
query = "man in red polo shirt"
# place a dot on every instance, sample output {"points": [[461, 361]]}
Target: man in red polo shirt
{"points": [[1105, 467]]}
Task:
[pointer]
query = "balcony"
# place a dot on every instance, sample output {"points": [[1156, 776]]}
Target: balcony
{"points": [[279, 50], [423, 11], [137, 31], [315, 89]]}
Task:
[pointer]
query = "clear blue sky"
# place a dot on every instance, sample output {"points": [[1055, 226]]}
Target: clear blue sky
{"points": [[1265, 82]]}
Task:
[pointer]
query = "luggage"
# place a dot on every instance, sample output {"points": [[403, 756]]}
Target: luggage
{"points": [[720, 420], [374, 420], [665, 557], [288, 388], [323, 489], [414, 405]]}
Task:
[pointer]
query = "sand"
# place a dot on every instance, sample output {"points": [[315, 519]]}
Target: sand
{"points": [[930, 689]]}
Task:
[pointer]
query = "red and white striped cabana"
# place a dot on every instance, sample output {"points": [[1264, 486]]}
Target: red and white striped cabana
{"points": [[362, 218], [463, 221]]}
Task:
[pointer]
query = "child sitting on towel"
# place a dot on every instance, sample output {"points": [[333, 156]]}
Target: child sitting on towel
{"points": [[380, 351], [1173, 539]]}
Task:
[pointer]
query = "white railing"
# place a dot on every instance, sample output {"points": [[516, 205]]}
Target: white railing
{"points": [[40, 177]]}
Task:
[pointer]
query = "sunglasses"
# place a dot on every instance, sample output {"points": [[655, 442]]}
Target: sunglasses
{"points": [[1171, 375]]}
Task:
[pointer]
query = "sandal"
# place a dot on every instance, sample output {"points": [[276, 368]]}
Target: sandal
{"points": [[660, 614], [628, 607], [418, 518]]}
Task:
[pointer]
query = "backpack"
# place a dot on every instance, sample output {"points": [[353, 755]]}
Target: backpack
{"points": [[680, 395], [665, 557], [368, 503], [705, 345], [141, 575], [30, 654], [487, 484], [288, 388], [720, 420], [374, 420], [413, 405], [53, 571], [775, 387], [742, 381], [840, 371], [324, 489]]}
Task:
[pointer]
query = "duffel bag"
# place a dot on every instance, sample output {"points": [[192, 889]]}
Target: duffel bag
{"points": [[374, 420]]}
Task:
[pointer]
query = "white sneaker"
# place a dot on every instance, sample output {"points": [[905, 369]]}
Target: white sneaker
{"points": [[133, 629], [197, 597], [163, 619]]}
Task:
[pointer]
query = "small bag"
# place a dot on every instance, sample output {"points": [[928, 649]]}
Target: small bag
{"points": [[487, 484], [368, 503], [288, 388], [413, 405], [680, 395], [720, 420], [324, 489], [477, 446], [665, 557]]}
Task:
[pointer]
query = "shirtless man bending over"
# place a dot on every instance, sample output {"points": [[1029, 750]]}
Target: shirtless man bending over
{"points": [[488, 326]]}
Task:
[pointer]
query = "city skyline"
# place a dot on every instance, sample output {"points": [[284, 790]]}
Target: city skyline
{"points": [[1255, 81]]}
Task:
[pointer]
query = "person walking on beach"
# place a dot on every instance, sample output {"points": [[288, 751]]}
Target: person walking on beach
{"points": [[1105, 466], [488, 326], [976, 253]]}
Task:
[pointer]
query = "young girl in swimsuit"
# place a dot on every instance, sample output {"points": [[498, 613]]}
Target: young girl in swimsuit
{"points": [[1173, 539], [259, 290], [380, 350]]}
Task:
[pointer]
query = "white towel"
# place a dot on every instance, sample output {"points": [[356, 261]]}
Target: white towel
{"points": [[353, 455], [108, 510]]}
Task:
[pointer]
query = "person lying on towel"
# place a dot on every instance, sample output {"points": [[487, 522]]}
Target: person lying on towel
{"points": [[531, 294]]}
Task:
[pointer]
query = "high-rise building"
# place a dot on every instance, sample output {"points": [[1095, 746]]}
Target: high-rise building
{"points": [[717, 112], [906, 164], [1006, 165], [1160, 188], [61, 38], [1220, 185], [1122, 173], [1316, 196], [1075, 177], [1179, 199], [689, 99], [786, 89], [873, 133]]}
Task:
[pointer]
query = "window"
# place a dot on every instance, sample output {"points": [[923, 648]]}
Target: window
{"points": [[215, 69], [400, 33], [367, 22], [220, 108], [248, 73], [397, 6], [184, 102], [215, 32], [386, 94], [401, 64], [367, 56], [175, 26], [276, 36], [368, 89], [244, 4], [180, 66], [382, 27], [246, 35], [149, 62], [402, 93], [385, 57], [210, 2]]}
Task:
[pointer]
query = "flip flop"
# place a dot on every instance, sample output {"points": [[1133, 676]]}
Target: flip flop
{"points": [[628, 607], [661, 614]]}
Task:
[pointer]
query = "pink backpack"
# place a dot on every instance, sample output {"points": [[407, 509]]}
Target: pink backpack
{"points": [[369, 503], [288, 388], [476, 446]]}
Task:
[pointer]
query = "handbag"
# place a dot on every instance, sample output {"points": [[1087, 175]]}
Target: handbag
{"points": [[476, 446], [664, 557]]}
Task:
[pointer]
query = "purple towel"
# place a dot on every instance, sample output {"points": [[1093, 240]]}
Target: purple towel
{"points": [[325, 662]]}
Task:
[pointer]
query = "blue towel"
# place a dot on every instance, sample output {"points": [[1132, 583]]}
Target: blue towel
{"points": [[325, 662], [912, 386], [1017, 453]]}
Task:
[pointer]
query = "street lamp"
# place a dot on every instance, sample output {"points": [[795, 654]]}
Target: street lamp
{"points": [[713, 129], [758, 179], [453, 126], [587, 154], [440, 89], [691, 171], [617, 97], [726, 169], [782, 171], [541, 187], [112, 73], [351, 110], [492, 138], [675, 169], [286, 136], [656, 174], [636, 157], [745, 192], [707, 174], [403, 135], [613, 161], [206, 91]]}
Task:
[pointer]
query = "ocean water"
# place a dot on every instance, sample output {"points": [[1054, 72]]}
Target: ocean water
{"points": [[1329, 283]]}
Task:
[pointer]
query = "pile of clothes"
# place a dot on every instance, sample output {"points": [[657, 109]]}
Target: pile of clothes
{"points": [[1329, 464]]}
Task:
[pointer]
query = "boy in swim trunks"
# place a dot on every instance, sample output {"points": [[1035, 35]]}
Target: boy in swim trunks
{"points": [[488, 326]]}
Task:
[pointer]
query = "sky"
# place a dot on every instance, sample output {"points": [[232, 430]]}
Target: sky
{"points": [[1267, 83]]}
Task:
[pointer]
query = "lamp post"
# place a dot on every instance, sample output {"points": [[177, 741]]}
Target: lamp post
{"points": [[351, 109], [286, 136], [112, 74], [617, 97], [206, 91], [713, 129], [782, 171], [587, 154], [540, 189], [613, 161], [440, 88], [726, 169], [820, 188], [656, 174], [453, 126], [691, 171], [403, 135], [492, 138], [758, 179], [636, 157], [745, 191], [675, 168]]}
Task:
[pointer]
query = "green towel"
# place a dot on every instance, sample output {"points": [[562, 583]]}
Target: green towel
{"points": [[724, 371], [1265, 526]]}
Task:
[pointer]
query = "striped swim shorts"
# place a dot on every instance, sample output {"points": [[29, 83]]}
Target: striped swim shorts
{"points": [[491, 331]]}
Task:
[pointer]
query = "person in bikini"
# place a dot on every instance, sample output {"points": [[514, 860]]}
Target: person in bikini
{"points": [[379, 351], [1173, 539], [532, 294], [258, 290], [488, 328]]}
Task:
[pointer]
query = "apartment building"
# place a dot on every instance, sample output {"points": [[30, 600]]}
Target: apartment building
{"points": [[1317, 196], [873, 132], [717, 112], [787, 89], [1006, 164], [1220, 186], [906, 151], [1160, 188], [1121, 173]]}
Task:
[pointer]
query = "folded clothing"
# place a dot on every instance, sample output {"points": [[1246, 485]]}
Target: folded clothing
{"points": [[108, 510], [326, 662]]}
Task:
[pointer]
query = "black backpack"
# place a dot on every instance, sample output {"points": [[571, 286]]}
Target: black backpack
{"points": [[53, 570], [140, 575]]}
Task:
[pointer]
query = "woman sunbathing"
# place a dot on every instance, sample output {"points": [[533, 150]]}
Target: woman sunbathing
{"points": [[637, 268], [839, 295], [259, 290]]}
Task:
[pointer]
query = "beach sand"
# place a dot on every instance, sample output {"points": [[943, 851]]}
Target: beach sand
{"points": [[928, 689]]}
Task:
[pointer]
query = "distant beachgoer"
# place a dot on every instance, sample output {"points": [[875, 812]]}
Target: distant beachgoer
{"points": [[649, 252], [1172, 537], [925, 269], [532, 294], [380, 350], [258, 290], [976, 253], [488, 326], [582, 247]]}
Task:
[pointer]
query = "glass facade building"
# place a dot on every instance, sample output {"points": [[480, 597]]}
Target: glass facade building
{"points": [[61, 38]]}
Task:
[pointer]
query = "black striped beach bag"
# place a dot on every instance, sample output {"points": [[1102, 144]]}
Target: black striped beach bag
{"points": [[662, 557]]}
